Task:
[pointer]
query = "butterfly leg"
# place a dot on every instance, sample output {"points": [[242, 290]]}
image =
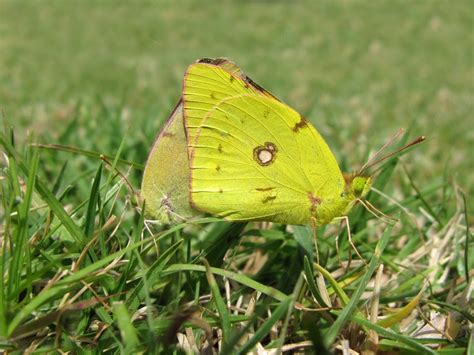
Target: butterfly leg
{"points": [[337, 247], [349, 237], [315, 237]]}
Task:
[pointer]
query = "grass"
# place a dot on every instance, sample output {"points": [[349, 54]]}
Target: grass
{"points": [[83, 271]]}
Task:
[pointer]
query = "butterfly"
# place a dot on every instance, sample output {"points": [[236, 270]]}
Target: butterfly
{"points": [[233, 150]]}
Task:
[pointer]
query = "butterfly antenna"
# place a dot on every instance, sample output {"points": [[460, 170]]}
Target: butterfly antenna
{"points": [[406, 146], [374, 173], [392, 140]]}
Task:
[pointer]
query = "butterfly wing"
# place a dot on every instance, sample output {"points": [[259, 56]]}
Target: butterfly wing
{"points": [[165, 178], [165, 185], [253, 157]]}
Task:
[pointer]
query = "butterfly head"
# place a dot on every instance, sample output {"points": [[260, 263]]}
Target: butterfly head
{"points": [[358, 186]]}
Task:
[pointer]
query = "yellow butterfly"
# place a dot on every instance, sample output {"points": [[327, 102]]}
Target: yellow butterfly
{"points": [[249, 156]]}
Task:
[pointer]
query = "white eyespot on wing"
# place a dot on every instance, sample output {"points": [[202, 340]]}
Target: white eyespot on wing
{"points": [[265, 156]]}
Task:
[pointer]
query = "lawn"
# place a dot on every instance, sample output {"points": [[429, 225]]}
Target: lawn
{"points": [[84, 271]]}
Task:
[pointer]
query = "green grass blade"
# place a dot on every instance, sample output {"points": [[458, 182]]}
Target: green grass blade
{"points": [[125, 325], [304, 238], [92, 205], [244, 280], [309, 275], [266, 327], [3, 248], [334, 284], [401, 314], [351, 307], [294, 297], [59, 212], [219, 240], [219, 302], [113, 168], [470, 345], [391, 334], [59, 179], [20, 237], [467, 263], [153, 274]]}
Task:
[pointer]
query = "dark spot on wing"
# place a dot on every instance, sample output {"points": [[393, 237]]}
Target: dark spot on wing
{"points": [[168, 134], [221, 191], [266, 113], [206, 60], [231, 79], [258, 87], [213, 96], [254, 84], [268, 199], [218, 168], [301, 124], [314, 200], [264, 188], [215, 61], [219, 148]]}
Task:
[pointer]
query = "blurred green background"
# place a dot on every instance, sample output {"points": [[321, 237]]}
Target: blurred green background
{"points": [[87, 74]]}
